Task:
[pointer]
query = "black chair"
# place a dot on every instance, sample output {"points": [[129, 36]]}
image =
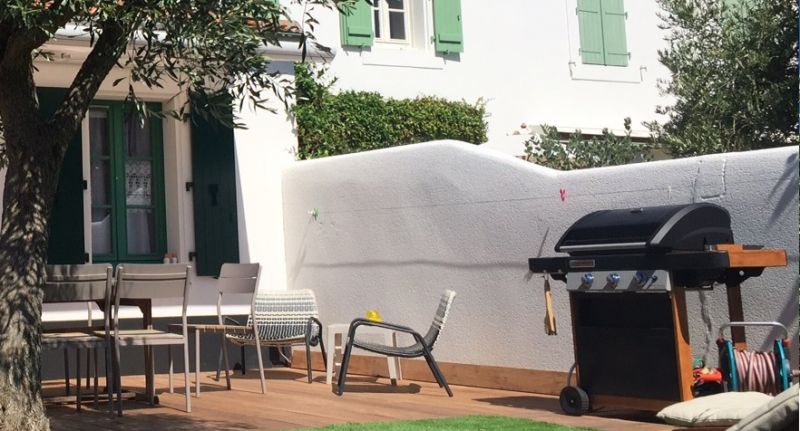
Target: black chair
{"points": [[422, 345]]}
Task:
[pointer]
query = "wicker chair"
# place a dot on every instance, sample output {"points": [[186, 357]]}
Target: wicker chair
{"points": [[422, 345], [283, 319]]}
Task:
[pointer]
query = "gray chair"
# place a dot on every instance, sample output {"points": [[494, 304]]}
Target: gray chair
{"points": [[234, 278], [281, 319], [158, 281], [422, 346], [80, 283]]}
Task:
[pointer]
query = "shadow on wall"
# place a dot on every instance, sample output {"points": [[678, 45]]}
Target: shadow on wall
{"points": [[786, 187]]}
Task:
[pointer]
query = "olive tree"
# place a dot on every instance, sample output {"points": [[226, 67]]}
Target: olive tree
{"points": [[208, 48]]}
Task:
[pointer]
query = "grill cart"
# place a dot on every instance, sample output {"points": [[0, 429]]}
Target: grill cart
{"points": [[627, 273]]}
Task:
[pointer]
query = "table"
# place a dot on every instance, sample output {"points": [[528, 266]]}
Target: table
{"points": [[338, 331]]}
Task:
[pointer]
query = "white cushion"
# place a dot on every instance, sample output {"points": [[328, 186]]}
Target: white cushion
{"points": [[714, 410], [778, 414]]}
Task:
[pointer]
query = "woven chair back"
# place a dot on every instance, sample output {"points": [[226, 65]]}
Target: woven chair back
{"points": [[440, 318], [284, 315]]}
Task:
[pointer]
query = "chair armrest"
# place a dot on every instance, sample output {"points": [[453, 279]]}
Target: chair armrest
{"points": [[230, 319], [390, 326]]}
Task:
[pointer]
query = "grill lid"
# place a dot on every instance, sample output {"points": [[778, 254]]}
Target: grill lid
{"points": [[658, 229]]}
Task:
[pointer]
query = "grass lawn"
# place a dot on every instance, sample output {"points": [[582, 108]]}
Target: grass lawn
{"points": [[482, 423]]}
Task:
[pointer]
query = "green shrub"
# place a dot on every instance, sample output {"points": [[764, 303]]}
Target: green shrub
{"points": [[549, 150], [353, 121]]}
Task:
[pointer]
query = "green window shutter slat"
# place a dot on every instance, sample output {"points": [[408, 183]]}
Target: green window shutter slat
{"points": [[449, 34], [614, 41], [591, 31], [216, 229], [355, 24], [66, 218]]}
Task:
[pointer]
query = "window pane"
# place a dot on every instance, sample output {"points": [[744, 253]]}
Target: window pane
{"points": [[101, 181], [397, 26], [101, 231], [138, 182], [141, 231], [377, 18], [137, 136], [98, 131], [395, 4]]}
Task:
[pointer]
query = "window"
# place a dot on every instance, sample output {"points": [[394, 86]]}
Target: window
{"points": [[127, 185], [415, 24], [390, 20], [602, 32]]}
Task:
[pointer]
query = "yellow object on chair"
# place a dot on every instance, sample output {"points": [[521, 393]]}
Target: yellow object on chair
{"points": [[374, 316]]}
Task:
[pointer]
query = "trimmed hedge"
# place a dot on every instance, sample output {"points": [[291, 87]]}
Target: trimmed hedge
{"points": [[352, 121]]}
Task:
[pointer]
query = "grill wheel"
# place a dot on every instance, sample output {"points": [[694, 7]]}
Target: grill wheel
{"points": [[574, 401]]}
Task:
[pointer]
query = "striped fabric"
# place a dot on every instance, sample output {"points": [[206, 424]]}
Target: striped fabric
{"points": [[282, 318], [441, 317]]}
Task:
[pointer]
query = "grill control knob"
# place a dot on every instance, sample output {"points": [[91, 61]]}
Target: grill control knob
{"points": [[613, 278], [587, 279], [642, 278]]}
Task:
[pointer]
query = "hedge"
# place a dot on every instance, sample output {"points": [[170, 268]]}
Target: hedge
{"points": [[352, 121]]}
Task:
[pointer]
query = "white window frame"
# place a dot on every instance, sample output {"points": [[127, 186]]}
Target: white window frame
{"points": [[383, 17]]}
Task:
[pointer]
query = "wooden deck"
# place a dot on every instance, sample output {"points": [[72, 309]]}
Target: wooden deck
{"points": [[291, 403]]}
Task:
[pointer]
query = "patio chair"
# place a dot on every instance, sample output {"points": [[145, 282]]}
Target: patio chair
{"points": [[158, 281], [80, 283], [422, 345], [282, 319], [234, 278]]}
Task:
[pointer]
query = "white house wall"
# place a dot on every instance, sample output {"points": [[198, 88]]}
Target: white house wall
{"points": [[521, 57], [396, 227]]}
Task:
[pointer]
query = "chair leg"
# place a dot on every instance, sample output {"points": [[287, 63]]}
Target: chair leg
{"points": [[428, 361], [118, 379], [78, 377], [244, 367], [343, 370], [171, 368], [88, 371], [186, 375], [66, 372], [308, 357], [260, 366], [437, 373], [324, 353], [96, 378], [110, 373]]}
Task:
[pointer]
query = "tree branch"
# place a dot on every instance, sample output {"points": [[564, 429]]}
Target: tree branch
{"points": [[110, 45]]}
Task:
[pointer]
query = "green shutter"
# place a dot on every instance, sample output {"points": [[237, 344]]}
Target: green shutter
{"points": [[66, 219], [216, 231], [449, 36], [614, 42], [356, 23], [591, 31]]}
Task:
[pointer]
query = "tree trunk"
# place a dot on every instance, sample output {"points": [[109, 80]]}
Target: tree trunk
{"points": [[31, 181]]}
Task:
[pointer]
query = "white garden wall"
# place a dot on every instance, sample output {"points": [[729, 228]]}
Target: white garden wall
{"points": [[396, 227]]}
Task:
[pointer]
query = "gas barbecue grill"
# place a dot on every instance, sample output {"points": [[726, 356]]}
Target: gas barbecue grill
{"points": [[626, 274]]}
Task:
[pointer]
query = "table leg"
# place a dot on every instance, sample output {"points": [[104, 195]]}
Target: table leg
{"points": [[149, 366], [197, 362], [332, 348], [391, 360]]}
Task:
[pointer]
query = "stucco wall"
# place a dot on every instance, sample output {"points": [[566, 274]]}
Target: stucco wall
{"points": [[521, 57], [396, 227]]}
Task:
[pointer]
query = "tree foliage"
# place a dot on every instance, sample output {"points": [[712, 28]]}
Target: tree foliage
{"points": [[548, 149], [352, 121], [210, 50], [734, 75]]}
